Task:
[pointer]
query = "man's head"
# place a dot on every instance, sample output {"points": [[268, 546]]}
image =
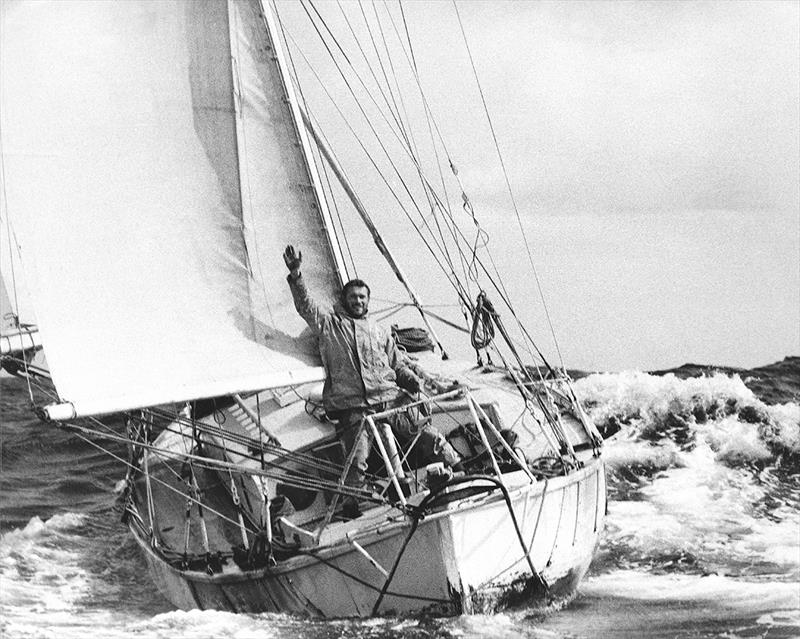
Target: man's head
{"points": [[355, 298]]}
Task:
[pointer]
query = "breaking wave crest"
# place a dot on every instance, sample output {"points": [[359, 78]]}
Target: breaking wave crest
{"points": [[702, 475], [670, 415], [39, 568]]}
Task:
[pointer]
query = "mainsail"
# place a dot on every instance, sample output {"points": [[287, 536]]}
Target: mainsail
{"points": [[151, 170]]}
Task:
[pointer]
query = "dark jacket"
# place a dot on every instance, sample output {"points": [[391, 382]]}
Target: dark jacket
{"points": [[362, 362]]}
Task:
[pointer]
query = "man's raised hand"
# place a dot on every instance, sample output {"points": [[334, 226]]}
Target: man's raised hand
{"points": [[292, 259]]}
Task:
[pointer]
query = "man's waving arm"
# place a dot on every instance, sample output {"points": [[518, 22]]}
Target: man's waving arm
{"points": [[308, 309]]}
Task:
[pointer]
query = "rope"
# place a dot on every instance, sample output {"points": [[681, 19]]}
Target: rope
{"points": [[367, 584], [414, 524], [378, 138], [482, 332], [507, 181], [452, 277], [431, 125]]}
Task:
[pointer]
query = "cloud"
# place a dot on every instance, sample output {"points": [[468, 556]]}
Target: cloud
{"points": [[622, 106]]}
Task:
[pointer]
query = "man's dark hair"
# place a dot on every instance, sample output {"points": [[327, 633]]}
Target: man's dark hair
{"points": [[356, 283]]}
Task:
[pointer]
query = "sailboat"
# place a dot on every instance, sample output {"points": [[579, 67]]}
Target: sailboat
{"points": [[156, 160]]}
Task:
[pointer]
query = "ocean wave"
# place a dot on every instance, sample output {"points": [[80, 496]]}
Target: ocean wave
{"points": [[702, 476], [40, 568], [703, 518], [673, 412]]}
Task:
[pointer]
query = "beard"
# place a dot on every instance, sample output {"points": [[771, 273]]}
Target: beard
{"points": [[356, 312]]}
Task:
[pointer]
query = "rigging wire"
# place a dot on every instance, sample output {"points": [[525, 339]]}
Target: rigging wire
{"points": [[467, 207], [412, 144], [334, 200], [220, 465], [455, 282], [404, 141], [375, 165], [396, 109], [352, 66], [507, 181], [372, 160], [158, 480], [468, 269], [413, 147], [431, 124], [298, 86], [288, 455], [395, 116], [361, 143], [410, 150]]}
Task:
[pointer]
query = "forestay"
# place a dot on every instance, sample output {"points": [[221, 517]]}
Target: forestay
{"points": [[152, 173]]}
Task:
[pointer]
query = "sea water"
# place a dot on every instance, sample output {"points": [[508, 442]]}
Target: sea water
{"points": [[702, 536]]}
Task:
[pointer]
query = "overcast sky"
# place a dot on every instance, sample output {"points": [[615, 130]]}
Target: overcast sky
{"points": [[653, 149], [645, 106], [654, 154]]}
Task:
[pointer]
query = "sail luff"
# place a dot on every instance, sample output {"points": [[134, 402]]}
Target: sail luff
{"points": [[235, 102], [311, 166]]}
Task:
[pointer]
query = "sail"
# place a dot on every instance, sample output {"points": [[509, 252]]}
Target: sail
{"points": [[9, 313], [18, 333], [17, 336], [152, 173]]}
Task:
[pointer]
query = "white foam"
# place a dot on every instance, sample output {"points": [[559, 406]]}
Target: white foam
{"points": [[790, 618], [200, 624], [786, 420], [635, 392], [67, 625], [707, 510], [642, 401], [39, 571], [625, 451], [728, 593], [735, 441]]}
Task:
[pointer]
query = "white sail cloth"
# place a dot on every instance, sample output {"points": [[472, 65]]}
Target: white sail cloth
{"points": [[134, 134]]}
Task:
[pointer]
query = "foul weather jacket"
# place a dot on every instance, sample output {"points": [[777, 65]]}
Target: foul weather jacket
{"points": [[362, 362]]}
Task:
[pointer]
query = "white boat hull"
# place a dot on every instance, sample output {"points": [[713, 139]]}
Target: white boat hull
{"points": [[465, 558]]}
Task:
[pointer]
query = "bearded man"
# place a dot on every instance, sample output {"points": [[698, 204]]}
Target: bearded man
{"points": [[366, 374]]}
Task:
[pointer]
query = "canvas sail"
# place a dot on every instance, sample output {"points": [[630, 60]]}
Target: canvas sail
{"points": [[152, 173], [13, 312], [18, 332]]}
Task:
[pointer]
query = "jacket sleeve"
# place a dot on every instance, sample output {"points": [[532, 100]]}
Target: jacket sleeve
{"points": [[403, 367], [309, 310]]}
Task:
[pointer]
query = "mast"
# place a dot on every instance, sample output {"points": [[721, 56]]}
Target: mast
{"points": [[294, 107], [299, 115], [365, 217]]}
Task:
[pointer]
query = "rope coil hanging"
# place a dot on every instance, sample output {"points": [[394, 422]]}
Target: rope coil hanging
{"points": [[482, 332]]}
